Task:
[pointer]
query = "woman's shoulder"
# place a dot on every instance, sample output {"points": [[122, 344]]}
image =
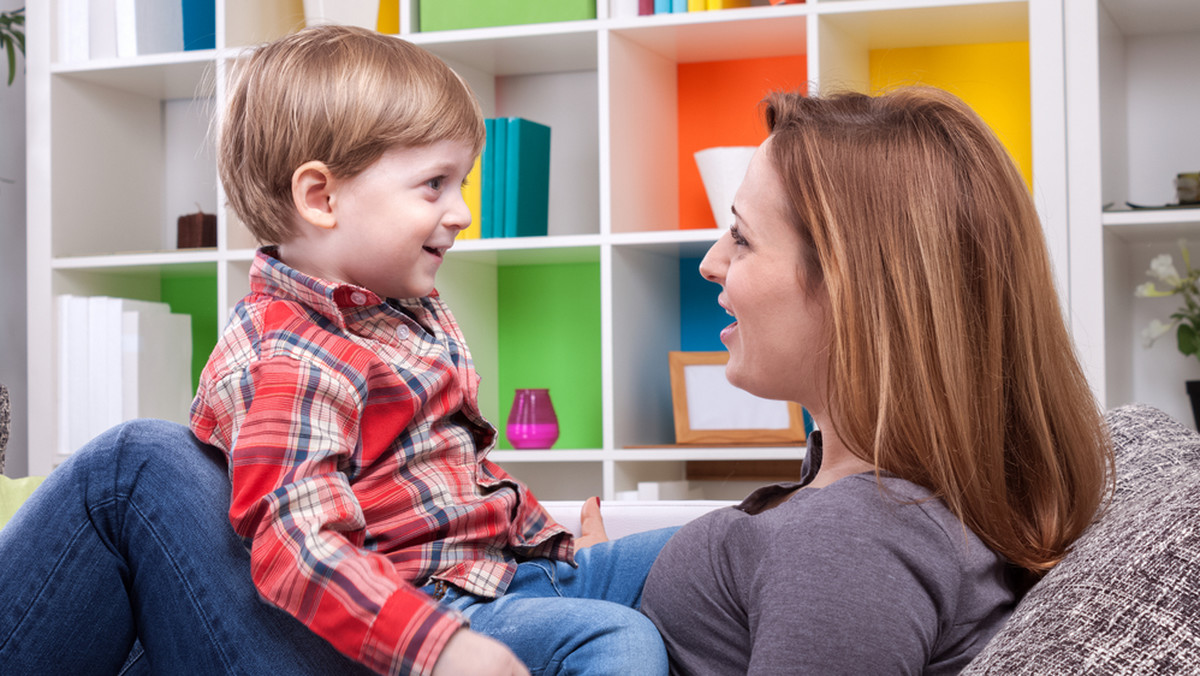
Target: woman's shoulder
{"points": [[866, 511]]}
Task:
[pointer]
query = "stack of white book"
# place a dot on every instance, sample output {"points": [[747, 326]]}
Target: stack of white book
{"points": [[119, 359], [105, 29]]}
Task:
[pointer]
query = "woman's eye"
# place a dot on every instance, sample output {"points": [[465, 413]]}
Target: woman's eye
{"points": [[736, 236]]}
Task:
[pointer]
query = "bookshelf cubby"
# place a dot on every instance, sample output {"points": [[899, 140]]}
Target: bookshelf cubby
{"points": [[1134, 93], [591, 309]]}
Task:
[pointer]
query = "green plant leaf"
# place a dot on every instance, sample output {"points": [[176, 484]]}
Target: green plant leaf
{"points": [[1189, 341], [12, 61]]}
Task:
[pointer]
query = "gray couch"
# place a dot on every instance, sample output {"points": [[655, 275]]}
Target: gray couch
{"points": [[1126, 600]]}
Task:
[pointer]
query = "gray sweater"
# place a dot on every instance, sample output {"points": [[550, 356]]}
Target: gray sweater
{"points": [[845, 579]]}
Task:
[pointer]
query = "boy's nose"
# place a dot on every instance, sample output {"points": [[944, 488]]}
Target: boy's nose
{"points": [[458, 216]]}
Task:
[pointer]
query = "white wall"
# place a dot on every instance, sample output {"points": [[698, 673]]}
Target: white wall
{"points": [[12, 255]]}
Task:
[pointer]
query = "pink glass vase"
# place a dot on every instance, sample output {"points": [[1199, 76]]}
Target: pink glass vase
{"points": [[531, 422]]}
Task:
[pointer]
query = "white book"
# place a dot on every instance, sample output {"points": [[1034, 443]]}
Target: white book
{"points": [[667, 490], [157, 366], [624, 8], [73, 31], [100, 370], [149, 27], [77, 353], [72, 373], [102, 29], [114, 358]]}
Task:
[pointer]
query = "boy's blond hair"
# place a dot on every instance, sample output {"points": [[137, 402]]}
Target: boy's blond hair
{"points": [[336, 94]]}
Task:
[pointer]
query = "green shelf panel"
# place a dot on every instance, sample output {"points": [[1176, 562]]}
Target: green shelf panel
{"points": [[549, 337]]}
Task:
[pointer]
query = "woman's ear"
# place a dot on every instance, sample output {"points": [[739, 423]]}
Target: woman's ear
{"points": [[312, 188]]}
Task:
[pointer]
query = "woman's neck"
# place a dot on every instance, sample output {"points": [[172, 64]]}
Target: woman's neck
{"points": [[836, 460]]}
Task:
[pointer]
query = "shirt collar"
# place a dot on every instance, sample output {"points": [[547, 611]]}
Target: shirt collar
{"points": [[337, 301]]}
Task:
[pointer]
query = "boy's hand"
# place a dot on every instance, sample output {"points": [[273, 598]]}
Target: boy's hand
{"points": [[468, 652], [591, 525]]}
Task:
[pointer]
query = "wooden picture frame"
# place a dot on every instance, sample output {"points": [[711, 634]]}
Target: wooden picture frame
{"points": [[709, 410]]}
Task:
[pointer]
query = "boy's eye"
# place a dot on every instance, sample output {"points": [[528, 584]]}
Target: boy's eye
{"points": [[435, 183]]}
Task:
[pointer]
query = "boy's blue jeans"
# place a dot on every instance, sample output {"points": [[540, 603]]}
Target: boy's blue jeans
{"points": [[124, 559]]}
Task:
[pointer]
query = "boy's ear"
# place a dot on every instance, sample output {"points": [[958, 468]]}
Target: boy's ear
{"points": [[312, 188]]}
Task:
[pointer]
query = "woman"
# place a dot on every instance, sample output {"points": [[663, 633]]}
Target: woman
{"points": [[886, 269]]}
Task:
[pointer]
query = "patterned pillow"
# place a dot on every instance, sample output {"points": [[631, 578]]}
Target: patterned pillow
{"points": [[1126, 600]]}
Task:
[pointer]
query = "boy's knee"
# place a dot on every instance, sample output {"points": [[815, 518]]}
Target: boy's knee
{"points": [[641, 649], [163, 452]]}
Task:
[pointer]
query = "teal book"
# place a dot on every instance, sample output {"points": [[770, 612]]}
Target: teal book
{"points": [[662, 6], [679, 6], [495, 227], [487, 216], [199, 24], [527, 179]]}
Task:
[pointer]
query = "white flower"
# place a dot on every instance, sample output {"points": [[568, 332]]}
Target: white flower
{"points": [[1154, 331], [1163, 268]]}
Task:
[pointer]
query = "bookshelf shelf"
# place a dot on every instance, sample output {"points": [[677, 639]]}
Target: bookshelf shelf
{"points": [[123, 262], [592, 308]]}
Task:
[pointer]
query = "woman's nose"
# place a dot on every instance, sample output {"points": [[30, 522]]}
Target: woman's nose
{"points": [[715, 261]]}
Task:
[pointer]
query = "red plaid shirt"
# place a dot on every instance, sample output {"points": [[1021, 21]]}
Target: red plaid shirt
{"points": [[358, 459]]}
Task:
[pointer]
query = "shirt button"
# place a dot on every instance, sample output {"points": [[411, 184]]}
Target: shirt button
{"points": [[358, 298], [402, 332]]}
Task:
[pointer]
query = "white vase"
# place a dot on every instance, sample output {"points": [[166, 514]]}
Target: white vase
{"points": [[722, 170], [363, 13]]}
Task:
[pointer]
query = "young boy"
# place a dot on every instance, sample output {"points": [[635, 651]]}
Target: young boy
{"points": [[344, 396]]}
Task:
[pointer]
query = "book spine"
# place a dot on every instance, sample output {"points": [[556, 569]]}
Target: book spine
{"points": [[527, 194], [679, 6], [73, 31], [500, 180], [126, 27], [697, 5], [199, 24], [645, 7], [473, 196], [66, 364], [662, 6], [487, 201], [624, 8], [159, 26], [102, 29]]}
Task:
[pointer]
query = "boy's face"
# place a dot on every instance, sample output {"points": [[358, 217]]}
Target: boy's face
{"points": [[396, 219]]}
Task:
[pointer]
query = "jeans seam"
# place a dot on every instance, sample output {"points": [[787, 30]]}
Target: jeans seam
{"points": [[68, 551], [184, 581], [548, 570]]}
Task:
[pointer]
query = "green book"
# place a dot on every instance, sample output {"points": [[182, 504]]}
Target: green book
{"points": [[440, 15], [527, 179]]}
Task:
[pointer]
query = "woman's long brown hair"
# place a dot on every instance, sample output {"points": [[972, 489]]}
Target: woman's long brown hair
{"points": [[950, 363]]}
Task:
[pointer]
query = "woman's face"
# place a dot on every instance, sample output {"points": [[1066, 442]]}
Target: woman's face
{"points": [[777, 343]]}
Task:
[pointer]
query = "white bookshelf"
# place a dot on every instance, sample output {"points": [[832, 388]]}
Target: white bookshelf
{"points": [[1132, 98], [607, 87]]}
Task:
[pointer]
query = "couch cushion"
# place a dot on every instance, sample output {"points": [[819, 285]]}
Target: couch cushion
{"points": [[1127, 598], [13, 493]]}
